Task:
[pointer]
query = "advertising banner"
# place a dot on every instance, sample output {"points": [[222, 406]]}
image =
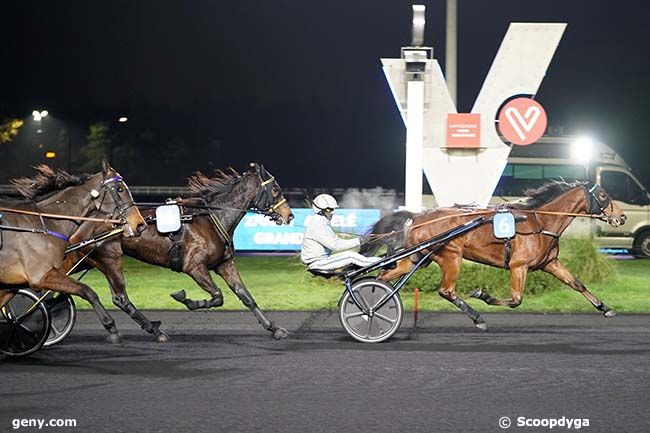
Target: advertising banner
{"points": [[464, 130], [257, 233]]}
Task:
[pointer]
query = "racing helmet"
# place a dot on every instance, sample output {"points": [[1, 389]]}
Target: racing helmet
{"points": [[323, 202]]}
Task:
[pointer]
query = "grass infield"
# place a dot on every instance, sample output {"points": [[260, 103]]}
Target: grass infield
{"points": [[282, 283]]}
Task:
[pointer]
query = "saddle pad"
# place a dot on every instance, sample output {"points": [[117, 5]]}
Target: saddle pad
{"points": [[504, 225], [168, 218]]}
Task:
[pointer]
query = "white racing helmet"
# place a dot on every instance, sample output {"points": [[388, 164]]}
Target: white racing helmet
{"points": [[322, 202]]}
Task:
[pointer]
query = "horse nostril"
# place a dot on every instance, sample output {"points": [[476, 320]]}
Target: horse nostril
{"points": [[291, 217], [141, 227], [623, 218]]}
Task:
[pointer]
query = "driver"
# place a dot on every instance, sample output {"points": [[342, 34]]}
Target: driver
{"points": [[319, 240]]}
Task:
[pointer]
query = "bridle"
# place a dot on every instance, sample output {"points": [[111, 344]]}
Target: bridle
{"points": [[111, 186], [596, 205], [264, 199]]}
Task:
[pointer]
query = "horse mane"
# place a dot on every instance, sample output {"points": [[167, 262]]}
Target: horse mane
{"points": [[544, 194], [206, 187], [47, 180]]}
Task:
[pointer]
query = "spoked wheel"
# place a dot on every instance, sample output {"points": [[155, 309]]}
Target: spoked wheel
{"points": [[23, 326], [63, 315], [383, 322]]}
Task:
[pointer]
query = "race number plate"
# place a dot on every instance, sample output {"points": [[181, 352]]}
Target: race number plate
{"points": [[504, 225], [168, 218]]}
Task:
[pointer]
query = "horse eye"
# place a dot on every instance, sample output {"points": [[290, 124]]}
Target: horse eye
{"points": [[120, 189]]}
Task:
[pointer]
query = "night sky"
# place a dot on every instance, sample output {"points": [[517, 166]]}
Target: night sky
{"points": [[298, 85]]}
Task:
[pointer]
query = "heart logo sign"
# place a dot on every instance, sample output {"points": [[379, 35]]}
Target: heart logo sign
{"points": [[522, 121]]}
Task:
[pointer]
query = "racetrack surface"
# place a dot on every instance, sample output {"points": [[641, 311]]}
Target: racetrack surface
{"points": [[221, 372]]}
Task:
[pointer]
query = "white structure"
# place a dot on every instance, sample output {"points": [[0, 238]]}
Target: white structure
{"points": [[421, 94]]}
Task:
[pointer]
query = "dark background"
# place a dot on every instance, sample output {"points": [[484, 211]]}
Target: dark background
{"points": [[295, 85]]}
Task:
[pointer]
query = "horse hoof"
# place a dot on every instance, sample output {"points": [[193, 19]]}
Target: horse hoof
{"points": [[476, 293], [280, 334], [179, 296], [482, 326], [114, 338], [609, 314], [162, 337]]}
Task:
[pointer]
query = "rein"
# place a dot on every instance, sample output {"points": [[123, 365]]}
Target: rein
{"points": [[59, 216], [484, 212]]}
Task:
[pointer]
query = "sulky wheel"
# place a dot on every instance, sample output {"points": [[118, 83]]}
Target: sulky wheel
{"points": [[63, 315], [23, 326], [382, 323]]}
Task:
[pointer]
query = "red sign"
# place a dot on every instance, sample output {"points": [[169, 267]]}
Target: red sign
{"points": [[522, 121], [463, 130]]}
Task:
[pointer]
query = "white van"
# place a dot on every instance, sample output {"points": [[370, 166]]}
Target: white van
{"points": [[572, 158]]}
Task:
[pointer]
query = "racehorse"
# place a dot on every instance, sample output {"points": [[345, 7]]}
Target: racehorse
{"points": [[35, 259], [216, 205], [548, 211]]}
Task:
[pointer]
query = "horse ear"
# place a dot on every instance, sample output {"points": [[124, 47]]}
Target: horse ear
{"points": [[106, 167]]}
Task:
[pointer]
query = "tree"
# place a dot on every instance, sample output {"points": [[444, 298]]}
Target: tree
{"points": [[97, 147], [9, 129]]}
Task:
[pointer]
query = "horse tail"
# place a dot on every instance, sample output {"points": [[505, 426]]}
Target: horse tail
{"points": [[388, 231]]}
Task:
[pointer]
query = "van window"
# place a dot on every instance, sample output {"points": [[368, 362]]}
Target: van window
{"points": [[620, 186], [517, 178]]}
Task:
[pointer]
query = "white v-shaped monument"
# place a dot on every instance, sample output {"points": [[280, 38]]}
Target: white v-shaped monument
{"points": [[465, 175]]}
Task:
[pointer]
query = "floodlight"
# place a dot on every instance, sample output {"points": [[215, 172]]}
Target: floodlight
{"points": [[418, 25], [582, 149]]}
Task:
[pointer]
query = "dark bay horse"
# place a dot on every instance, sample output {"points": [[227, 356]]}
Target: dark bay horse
{"points": [[36, 259], [216, 205], [534, 247]]}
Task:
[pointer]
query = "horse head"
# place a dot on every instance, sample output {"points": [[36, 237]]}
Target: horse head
{"points": [[111, 197], [601, 203], [270, 200]]}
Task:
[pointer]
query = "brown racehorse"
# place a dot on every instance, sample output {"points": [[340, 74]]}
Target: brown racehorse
{"points": [[35, 259], [216, 204], [534, 247]]}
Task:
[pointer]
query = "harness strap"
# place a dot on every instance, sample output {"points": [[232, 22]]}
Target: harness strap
{"points": [[219, 227], [57, 235], [278, 204], [508, 253], [33, 230], [93, 240]]}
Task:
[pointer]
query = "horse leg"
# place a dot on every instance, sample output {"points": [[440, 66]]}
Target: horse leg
{"points": [[404, 266], [559, 271], [111, 267], [5, 297], [55, 280], [450, 268], [231, 276], [517, 283], [201, 276]]}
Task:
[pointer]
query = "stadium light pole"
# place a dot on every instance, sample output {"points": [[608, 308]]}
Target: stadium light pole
{"points": [[121, 124], [58, 125], [451, 47], [39, 115]]}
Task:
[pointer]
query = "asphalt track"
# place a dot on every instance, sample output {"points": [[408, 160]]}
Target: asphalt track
{"points": [[222, 373]]}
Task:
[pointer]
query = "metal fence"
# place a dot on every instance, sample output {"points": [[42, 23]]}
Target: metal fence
{"points": [[297, 197]]}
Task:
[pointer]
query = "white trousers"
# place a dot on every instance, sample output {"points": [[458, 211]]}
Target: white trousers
{"points": [[341, 260]]}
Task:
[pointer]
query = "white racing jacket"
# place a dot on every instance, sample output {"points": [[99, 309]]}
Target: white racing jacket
{"points": [[320, 240]]}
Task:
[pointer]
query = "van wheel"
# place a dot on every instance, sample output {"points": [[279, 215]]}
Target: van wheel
{"points": [[642, 244]]}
